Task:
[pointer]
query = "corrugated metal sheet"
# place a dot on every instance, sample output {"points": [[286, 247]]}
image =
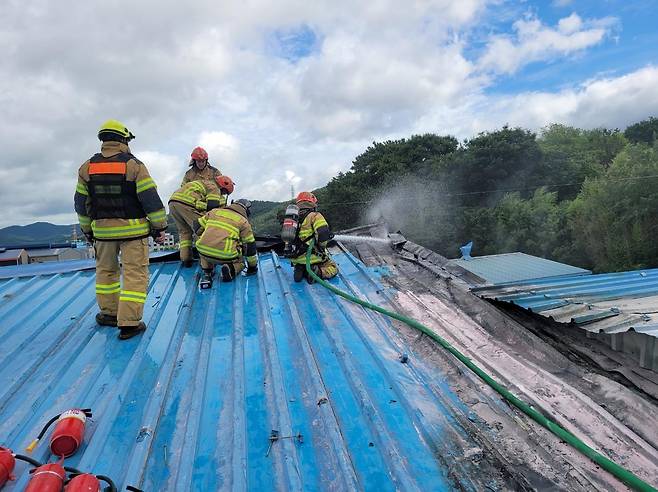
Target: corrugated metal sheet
{"points": [[192, 403], [612, 303], [514, 267]]}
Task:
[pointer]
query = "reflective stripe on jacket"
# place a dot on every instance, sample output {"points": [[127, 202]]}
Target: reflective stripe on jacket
{"points": [[199, 196], [227, 235], [315, 226]]}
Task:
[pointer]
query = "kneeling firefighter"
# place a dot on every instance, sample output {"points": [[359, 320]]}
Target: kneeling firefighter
{"points": [[118, 208], [225, 237], [313, 225], [190, 202]]}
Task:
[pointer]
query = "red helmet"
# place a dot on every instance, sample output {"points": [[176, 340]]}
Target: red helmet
{"points": [[225, 183], [306, 196], [199, 154]]}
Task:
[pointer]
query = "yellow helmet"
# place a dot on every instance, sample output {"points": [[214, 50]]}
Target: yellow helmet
{"points": [[115, 128]]}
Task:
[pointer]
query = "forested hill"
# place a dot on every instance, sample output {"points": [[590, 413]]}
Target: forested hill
{"points": [[585, 197]]}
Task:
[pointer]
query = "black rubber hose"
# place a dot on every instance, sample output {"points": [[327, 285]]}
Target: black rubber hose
{"points": [[112, 487], [28, 459]]}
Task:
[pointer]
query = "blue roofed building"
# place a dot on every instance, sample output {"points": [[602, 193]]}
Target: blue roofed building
{"points": [[265, 384]]}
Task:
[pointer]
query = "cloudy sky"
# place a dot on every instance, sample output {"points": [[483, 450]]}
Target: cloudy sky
{"points": [[289, 92]]}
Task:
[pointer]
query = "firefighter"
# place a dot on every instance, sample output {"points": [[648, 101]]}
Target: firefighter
{"points": [[313, 225], [189, 203], [200, 169], [225, 237], [118, 208]]}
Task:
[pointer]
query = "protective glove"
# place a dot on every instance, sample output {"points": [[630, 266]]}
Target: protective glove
{"points": [[159, 236], [252, 270]]}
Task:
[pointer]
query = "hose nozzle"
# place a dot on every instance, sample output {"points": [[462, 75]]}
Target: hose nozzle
{"points": [[32, 445]]}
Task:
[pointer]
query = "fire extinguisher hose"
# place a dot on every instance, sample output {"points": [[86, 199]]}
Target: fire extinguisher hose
{"points": [[28, 459], [33, 444], [616, 470], [108, 480]]}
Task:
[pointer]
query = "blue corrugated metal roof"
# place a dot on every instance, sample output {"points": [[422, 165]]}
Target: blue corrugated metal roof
{"points": [[191, 404], [594, 293], [49, 268], [514, 267]]}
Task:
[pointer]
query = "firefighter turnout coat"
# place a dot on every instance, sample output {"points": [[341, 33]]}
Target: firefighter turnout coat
{"points": [[226, 236], [116, 198]]}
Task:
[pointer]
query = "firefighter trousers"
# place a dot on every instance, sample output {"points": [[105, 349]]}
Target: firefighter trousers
{"points": [[207, 263], [123, 299], [324, 265], [184, 215]]}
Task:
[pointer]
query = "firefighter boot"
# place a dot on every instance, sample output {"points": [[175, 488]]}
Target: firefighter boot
{"points": [[300, 271], [228, 272], [106, 319], [188, 263], [316, 270], [127, 332], [206, 281]]}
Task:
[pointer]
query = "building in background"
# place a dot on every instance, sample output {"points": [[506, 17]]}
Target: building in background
{"points": [[42, 255], [12, 257], [169, 243]]}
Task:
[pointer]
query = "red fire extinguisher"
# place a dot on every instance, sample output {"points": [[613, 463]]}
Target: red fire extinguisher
{"points": [[47, 478], [86, 482], [68, 433], [7, 464]]}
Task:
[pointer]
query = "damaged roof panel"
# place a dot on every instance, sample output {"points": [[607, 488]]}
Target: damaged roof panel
{"points": [[608, 304]]}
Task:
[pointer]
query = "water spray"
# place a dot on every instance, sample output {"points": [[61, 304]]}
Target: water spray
{"points": [[346, 238]]}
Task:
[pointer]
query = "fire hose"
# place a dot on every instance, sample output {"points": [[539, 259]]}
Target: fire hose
{"points": [[610, 466]]}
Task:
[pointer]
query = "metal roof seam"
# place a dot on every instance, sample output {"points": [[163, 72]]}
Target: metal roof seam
{"points": [[112, 405], [152, 414], [326, 412], [429, 432], [379, 431], [289, 474]]}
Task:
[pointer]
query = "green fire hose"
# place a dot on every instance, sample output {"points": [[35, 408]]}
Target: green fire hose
{"points": [[618, 471]]}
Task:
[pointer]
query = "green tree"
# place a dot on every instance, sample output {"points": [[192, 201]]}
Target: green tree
{"points": [[495, 162], [614, 219], [570, 155], [645, 131], [533, 226]]}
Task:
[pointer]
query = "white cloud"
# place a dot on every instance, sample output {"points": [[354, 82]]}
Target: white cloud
{"points": [[223, 149], [535, 41], [165, 169], [187, 74], [612, 102]]}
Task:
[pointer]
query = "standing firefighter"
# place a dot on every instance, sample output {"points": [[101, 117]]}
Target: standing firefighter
{"points": [[225, 238], [189, 203], [119, 208], [313, 225], [200, 169]]}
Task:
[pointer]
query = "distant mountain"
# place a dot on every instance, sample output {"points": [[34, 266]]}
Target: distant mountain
{"points": [[37, 233]]}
